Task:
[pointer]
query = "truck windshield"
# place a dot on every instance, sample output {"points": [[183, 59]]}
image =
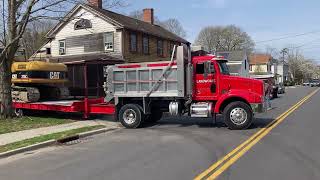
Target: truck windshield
{"points": [[224, 68]]}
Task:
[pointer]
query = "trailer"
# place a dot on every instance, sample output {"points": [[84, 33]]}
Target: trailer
{"points": [[86, 106]]}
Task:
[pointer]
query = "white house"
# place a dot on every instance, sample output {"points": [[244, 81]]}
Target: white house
{"points": [[90, 37], [283, 72]]}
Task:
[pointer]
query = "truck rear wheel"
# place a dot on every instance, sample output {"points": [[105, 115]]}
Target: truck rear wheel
{"points": [[238, 115], [131, 116]]}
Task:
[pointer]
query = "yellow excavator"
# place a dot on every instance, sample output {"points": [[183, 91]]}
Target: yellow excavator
{"points": [[37, 80]]}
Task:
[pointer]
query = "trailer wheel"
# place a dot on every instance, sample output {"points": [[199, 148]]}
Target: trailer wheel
{"points": [[131, 116], [238, 115], [19, 113]]}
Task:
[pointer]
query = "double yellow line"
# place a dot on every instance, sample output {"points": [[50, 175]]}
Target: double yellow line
{"points": [[223, 164]]}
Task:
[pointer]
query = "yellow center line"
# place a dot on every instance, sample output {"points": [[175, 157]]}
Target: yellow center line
{"points": [[239, 151]]}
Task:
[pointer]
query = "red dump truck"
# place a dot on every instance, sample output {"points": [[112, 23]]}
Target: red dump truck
{"points": [[197, 86]]}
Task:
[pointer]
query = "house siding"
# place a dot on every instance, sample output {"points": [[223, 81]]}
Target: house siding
{"points": [[259, 68], [86, 41], [139, 56]]}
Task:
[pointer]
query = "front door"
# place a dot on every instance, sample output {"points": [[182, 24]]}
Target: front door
{"points": [[205, 87]]}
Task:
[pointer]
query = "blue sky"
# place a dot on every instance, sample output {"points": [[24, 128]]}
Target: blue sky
{"points": [[262, 20]]}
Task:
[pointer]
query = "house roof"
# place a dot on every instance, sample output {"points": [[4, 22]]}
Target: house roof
{"points": [[233, 55], [260, 58], [123, 21], [74, 59]]}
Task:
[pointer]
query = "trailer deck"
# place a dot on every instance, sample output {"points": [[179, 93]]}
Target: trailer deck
{"points": [[85, 106]]}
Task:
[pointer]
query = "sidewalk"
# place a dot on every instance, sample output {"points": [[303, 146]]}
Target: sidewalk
{"points": [[27, 134]]}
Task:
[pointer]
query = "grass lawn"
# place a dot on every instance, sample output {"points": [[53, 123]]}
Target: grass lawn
{"points": [[25, 123], [48, 137]]}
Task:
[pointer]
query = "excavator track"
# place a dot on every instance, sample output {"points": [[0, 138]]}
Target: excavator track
{"points": [[35, 94], [25, 94]]}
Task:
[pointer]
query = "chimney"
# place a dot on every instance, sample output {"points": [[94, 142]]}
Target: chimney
{"points": [[95, 3], [148, 15]]}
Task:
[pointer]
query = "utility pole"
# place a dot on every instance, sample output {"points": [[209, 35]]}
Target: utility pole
{"points": [[284, 52]]}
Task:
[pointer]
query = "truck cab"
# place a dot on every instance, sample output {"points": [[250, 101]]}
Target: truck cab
{"points": [[213, 82]]}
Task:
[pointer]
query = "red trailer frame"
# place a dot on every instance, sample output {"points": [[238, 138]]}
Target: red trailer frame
{"points": [[86, 106]]}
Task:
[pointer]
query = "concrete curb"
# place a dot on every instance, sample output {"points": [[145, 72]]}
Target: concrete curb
{"points": [[52, 142], [27, 148]]}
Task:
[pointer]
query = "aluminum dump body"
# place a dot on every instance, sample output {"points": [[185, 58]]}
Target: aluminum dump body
{"points": [[151, 79]]}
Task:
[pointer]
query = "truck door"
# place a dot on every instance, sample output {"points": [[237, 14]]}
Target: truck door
{"points": [[205, 87]]}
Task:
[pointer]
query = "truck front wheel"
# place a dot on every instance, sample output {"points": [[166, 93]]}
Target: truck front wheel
{"points": [[131, 116], [238, 115]]}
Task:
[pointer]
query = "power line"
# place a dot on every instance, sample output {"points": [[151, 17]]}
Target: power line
{"points": [[287, 37]]}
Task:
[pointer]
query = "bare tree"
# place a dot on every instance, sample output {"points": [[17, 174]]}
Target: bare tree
{"points": [[18, 14], [301, 68], [34, 36], [272, 51], [173, 25], [224, 38], [136, 14]]}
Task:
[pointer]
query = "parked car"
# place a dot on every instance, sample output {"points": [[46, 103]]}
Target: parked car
{"points": [[315, 83], [306, 84], [281, 88]]}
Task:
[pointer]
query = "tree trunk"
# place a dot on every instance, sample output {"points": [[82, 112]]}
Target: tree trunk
{"points": [[6, 110]]}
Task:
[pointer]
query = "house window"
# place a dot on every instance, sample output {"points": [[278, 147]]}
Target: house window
{"points": [[108, 41], [269, 68], [133, 42], [62, 47], [160, 48], [82, 24], [145, 44], [48, 50]]}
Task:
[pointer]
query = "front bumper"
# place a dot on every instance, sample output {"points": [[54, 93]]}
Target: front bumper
{"points": [[258, 107]]}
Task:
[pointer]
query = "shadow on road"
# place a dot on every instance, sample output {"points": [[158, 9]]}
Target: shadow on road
{"points": [[204, 122], [260, 123]]}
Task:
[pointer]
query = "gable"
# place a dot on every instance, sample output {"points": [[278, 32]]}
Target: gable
{"points": [[98, 24]]}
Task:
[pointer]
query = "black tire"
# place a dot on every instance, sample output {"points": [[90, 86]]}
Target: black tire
{"points": [[242, 107], [155, 116], [19, 113], [133, 110]]}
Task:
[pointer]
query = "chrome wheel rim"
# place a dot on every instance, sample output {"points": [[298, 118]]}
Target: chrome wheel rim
{"points": [[129, 116], [238, 116]]}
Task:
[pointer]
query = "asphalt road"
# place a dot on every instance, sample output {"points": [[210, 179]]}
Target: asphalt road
{"points": [[181, 149]]}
